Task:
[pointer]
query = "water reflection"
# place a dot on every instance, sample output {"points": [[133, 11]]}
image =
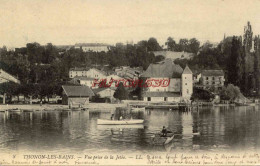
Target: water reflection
{"points": [[206, 129]]}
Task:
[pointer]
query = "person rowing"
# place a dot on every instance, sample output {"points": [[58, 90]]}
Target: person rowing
{"points": [[164, 132]]}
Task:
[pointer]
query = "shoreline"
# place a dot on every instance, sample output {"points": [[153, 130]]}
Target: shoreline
{"points": [[57, 107], [90, 106]]}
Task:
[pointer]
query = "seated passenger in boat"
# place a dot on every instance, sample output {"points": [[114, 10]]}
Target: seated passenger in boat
{"points": [[120, 118], [164, 132]]}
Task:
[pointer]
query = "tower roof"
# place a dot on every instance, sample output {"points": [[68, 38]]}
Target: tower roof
{"points": [[187, 70]]}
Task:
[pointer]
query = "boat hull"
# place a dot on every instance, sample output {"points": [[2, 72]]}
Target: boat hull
{"points": [[138, 109], [155, 140], [119, 122]]}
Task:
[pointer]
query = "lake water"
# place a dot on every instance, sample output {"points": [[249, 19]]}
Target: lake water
{"points": [[208, 129]]}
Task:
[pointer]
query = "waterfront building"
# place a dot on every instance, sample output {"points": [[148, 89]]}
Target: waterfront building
{"points": [[211, 78], [76, 96], [105, 92], [180, 86]]}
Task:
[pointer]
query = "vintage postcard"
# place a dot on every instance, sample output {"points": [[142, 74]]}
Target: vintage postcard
{"points": [[129, 82]]}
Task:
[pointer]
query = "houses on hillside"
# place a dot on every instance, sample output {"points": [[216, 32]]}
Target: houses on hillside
{"points": [[92, 47], [128, 72], [87, 72], [176, 83], [180, 84]]}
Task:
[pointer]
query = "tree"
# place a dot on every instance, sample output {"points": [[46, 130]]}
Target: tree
{"points": [[183, 45], [235, 67], [121, 93], [257, 63], [171, 44], [153, 45], [8, 89], [247, 46], [194, 46], [201, 94]]}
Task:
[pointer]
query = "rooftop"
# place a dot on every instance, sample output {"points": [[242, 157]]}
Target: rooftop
{"points": [[83, 78], [161, 94], [100, 89], [77, 91], [164, 69], [212, 73], [187, 70], [79, 69]]}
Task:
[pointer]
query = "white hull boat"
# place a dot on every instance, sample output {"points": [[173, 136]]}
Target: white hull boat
{"points": [[133, 126], [119, 122], [138, 109]]}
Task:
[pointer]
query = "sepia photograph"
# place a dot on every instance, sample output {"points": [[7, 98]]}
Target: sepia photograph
{"points": [[129, 82]]}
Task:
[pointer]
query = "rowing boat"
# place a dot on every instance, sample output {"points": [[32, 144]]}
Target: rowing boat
{"points": [[159, 140], [119, 122]]}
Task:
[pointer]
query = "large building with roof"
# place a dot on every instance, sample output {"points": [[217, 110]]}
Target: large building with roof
{"points": [[87, 72], [212, 78], [76, 96], [180, 82]]}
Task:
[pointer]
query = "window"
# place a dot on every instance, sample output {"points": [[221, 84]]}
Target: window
{"points": [[185, 77], [213, 78], [187, 91], [207, 78], [165, 98], [213, 82], [185, 83]]}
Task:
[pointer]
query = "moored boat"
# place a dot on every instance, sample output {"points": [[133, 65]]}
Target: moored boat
{"points": [[14, 110], [119, 122], [138, 109], [240, 104]]}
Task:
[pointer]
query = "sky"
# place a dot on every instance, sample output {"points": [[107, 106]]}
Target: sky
{"points": [[64, 22]]}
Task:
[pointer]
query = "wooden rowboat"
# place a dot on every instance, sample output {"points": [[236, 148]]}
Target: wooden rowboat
{"points": [[119, 122], [159, 140]]}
